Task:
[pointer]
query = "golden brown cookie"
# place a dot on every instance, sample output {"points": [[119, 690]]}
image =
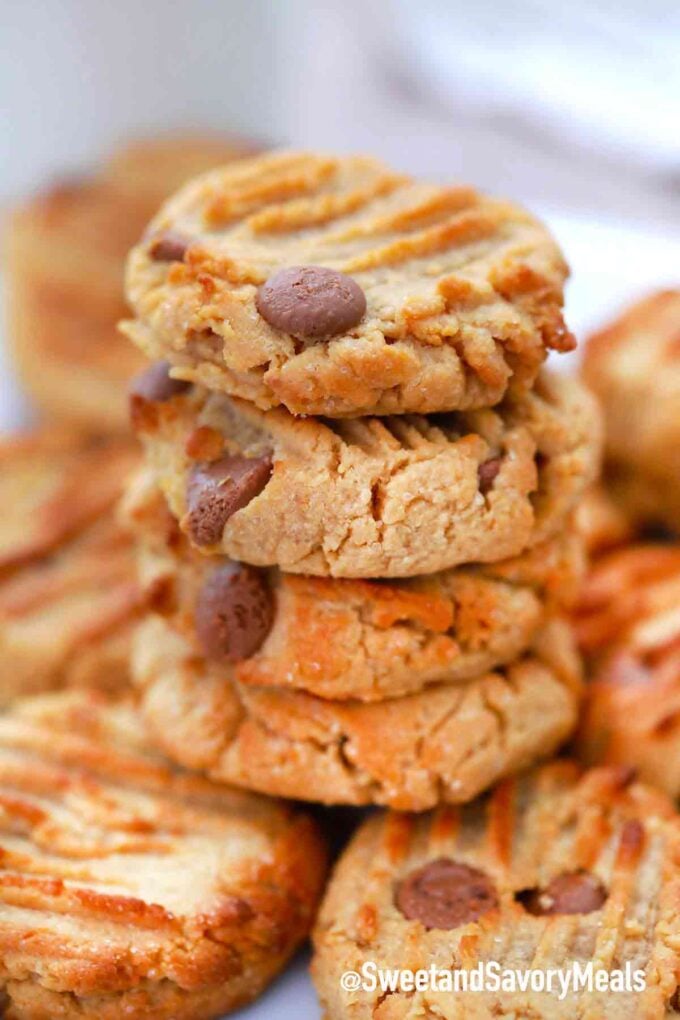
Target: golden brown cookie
{"points": [[130, 888], [68, 593], [371, 497], [600, 520], [649, 502], [628, 625], [151, 169], [65, 252], [555, 868], [344, 638], [335, 286], [447, 743], [634, 367]]}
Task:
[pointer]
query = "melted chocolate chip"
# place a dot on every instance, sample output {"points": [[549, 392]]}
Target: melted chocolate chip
{"points": [[156, 384], [573, 892], [487, 473], [311, 301], [168, 247], [234, 612], [217, 490], [445, 894]]}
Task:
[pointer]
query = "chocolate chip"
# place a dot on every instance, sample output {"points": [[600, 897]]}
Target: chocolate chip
{"points": [[573, 892], [658, 533], [217, 490], [156, 383], [311, 301], [234, 612], [445, 894], [168, 247], [487, 473]]}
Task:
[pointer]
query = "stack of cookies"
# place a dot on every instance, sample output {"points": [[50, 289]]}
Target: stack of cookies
{"points": [[354, 522]]}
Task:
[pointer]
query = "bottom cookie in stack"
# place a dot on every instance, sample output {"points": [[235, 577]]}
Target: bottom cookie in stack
{"points": [[130, 888], [403, 693], [554, 869], [68, 595]]}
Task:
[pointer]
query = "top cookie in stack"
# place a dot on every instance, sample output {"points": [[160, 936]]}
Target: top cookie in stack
{"points": [[350, 387], [335, 287]]}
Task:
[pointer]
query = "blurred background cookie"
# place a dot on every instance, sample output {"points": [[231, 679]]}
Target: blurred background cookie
{"points": [[130, 888], [68, 594], [553, 868], [628, 627], [64, 260], [600, 521], [634, 368]]}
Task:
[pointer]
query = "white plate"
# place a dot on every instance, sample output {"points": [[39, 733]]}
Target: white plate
{"points": [[611, 265]]}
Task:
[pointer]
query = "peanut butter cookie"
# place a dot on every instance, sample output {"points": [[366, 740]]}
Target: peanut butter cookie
{"points": [[133, 889], [344, 638], [335, 286], [65, 251], [634, 368], [628, 625], [68, 593], [371, 497], [447, 743], [555, 869]]}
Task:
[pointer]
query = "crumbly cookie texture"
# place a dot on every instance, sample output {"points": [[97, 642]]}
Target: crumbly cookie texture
{"points": [[447, 743], [374, 497], [558, 867], [69, 598], [634, 368], [463, 292], [131, 888], [363, 639], [64, 253], [628, 625]]}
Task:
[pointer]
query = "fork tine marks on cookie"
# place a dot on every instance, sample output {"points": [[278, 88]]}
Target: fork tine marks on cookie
{"points": [[550, 908], [434, 265], [127, 884]]}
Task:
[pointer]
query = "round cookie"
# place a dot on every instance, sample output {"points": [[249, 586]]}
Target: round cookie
{"points": [[374, 497], [628, 624], [69, 598], [133, 889], [335, 286], [553, 869], [633, 366], [64, 258], [447, 743], [344, 638]]}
